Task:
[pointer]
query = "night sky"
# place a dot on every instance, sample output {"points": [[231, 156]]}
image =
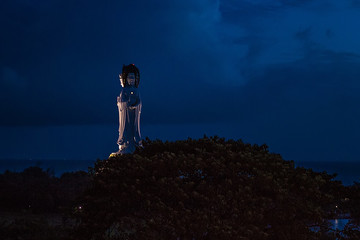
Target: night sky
{"points": [[281, 72]]}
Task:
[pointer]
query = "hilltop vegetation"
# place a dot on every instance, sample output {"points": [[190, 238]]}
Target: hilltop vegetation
{"points": [[34, 204], [207, 189], [210, 188]]}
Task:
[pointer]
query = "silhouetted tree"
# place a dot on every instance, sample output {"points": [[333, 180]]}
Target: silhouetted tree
{"points": [[206, 189], [39, 191]]}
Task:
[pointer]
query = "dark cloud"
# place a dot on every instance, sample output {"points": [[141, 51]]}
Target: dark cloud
{"points": [[303, 35], [295, 2], [329, 33], [355, 3], [270, 68], [63, 57], [245, 12], [70, 52]]}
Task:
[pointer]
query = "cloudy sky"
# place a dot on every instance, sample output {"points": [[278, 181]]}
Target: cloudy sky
{"points": [[281, 72]]}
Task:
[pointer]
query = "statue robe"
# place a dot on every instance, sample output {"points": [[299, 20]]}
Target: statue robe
{"points": [[129, 106]]}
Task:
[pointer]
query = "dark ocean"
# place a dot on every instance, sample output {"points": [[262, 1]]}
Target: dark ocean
{"points": [[57, 167], [348, 172]]}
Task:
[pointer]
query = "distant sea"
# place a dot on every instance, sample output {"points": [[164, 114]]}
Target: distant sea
{"points": [[58, 167], [348, 172]]}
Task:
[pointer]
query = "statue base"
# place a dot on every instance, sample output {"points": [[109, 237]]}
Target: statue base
{"points": [[114, 154], [127, 149]]}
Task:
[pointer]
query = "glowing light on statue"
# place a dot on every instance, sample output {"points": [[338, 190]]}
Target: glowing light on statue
{"points": [[129, 107]]}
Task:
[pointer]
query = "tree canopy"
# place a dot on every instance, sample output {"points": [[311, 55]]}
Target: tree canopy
{"points": [[210, 188]]}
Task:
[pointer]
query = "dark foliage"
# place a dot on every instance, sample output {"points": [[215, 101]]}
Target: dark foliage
{"points": [[32, 228], [206, 189], [352, 206], [34, 204], [37, 191], [194, 189]]}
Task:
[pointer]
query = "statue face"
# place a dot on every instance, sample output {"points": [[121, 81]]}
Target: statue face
{"points": [[131, 79]]}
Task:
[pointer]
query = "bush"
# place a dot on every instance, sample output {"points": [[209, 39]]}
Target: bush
{"points": [[38, 191], [205, 189]]}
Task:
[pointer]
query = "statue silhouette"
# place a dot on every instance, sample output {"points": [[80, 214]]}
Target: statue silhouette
{"points": [[129, 106]]}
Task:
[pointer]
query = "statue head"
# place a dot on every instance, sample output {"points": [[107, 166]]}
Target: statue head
{"points": [[130, 76]]}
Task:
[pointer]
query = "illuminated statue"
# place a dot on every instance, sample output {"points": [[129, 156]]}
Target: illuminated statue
{"points": [[129, 106]]}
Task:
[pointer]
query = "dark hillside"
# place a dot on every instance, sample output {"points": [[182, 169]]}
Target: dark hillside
{"points": [[206, 189]]}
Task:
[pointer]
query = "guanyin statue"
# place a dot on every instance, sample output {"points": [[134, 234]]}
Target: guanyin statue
{"points": [[129, 106]]}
